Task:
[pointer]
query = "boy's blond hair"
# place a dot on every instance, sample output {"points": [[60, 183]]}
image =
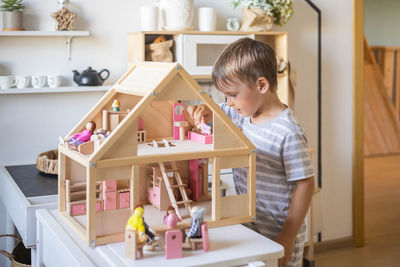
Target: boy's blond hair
{"points": [[247, 60]]}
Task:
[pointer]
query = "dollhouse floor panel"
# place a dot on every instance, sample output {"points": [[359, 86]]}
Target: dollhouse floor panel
{"points": [[179, 147]]}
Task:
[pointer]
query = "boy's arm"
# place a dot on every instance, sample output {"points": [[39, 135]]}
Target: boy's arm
{"points": [[298, 209], [198, 112]]}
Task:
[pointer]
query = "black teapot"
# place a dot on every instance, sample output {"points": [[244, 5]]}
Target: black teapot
{"points": [[90, 77]]}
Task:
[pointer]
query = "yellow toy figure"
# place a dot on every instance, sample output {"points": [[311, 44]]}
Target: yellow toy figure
{"points": [[135, 222]]}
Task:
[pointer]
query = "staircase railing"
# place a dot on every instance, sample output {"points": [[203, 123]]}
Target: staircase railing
{"points": [[388, 60]]}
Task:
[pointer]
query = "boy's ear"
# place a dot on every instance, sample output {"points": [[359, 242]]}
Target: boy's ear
{"points": [[262, 85]]}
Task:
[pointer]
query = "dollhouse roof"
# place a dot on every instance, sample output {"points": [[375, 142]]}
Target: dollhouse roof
{"points": [[149, 83]]}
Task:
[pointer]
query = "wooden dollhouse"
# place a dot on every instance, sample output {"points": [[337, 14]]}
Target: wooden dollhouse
{"points": [[148, 157]]}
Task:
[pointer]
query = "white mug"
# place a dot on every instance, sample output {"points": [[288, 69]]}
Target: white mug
{"points": [[38, 81], [149, 18], [6, 82], [54, 80], [22, 81], [207, 19]]}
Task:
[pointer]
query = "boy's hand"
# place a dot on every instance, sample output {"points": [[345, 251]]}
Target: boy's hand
{"points": [[199, 112], [288, 244]]}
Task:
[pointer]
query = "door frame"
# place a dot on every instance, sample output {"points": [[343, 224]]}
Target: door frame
{"points": [[358, 123]]}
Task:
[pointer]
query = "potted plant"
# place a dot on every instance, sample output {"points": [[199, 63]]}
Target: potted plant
{"points": [[12, 15], [260, 15]]}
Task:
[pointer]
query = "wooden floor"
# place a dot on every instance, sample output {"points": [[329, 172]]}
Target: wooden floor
{"points": [[382, 219]]}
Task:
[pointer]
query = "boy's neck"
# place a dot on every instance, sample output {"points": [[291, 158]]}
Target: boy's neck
{"points": [[270, 109]]}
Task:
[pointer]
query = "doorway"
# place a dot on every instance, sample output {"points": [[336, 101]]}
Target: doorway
{"points": [[375, 178]]}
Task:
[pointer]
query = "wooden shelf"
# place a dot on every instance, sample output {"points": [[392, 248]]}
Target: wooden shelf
{"points": [[43, 33], [208, 32], [64, 89]]}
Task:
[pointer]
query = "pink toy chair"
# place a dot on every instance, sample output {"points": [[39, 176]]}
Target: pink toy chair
{"points": [[204, 233], [173, 244]]}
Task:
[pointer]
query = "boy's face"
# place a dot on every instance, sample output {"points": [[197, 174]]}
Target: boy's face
{"points": [[247, 101]]}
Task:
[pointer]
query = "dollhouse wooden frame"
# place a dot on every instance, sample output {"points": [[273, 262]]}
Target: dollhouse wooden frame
{"points": [[148, 90]]}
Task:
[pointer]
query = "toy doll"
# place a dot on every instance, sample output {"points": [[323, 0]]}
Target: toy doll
{"points": [[203, 128], [197, 220], [99, 134], [83, 136], [135, 222], [171, 218]]}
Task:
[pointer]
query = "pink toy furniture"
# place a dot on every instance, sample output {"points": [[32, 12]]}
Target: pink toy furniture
{"points": [[123, 199], [110, 194], [177, 115], [201, 138], [80, 209], [195, 176], [173, 244], [204, 234]]}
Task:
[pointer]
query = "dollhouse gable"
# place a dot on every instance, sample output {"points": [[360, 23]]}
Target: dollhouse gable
{"points": [[148, 90]]}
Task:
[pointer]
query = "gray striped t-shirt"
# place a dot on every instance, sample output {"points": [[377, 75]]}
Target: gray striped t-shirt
{"points": [[282, 158]]}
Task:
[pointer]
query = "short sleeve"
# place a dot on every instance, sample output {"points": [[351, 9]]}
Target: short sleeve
{"points": [[232, 114], [296, 158]]}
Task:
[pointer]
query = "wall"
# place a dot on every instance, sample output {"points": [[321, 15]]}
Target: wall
{"points": [[381, 19], [107, 48]]}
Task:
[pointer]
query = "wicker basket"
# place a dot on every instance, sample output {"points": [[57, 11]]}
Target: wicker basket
{"points": [[47, 162], [20, 257]]}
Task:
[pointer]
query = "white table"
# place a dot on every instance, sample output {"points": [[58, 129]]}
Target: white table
{"points": [[57, 246]]}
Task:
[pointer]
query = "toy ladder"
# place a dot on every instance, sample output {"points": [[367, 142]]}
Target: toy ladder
{"points": [[179, 185]]}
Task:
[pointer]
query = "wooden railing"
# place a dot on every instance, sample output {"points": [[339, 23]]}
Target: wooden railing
{"points": [[388, 60], [381, 119]]}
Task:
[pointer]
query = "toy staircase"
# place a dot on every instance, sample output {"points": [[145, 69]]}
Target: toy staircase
{"points": [[381, 124], [167, 167]]}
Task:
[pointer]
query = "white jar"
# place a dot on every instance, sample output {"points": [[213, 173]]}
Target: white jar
{"points": [[177, 15]]}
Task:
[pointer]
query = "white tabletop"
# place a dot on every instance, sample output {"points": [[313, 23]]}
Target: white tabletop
{"points": [[229, 245]]}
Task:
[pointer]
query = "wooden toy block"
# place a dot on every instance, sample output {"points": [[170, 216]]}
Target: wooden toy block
{"points": [[201, 138], [173, 244], [147, 94]]}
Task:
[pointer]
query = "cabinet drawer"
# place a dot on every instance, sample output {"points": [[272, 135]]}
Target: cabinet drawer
{"points": [[79, 209], [22, 209], [153, 195], [110, 200], [123, 200], [110, 185]]}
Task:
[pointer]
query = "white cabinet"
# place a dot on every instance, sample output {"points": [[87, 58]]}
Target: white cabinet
{"points": [[22, 209]]}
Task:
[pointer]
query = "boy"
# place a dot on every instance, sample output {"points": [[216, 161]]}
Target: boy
{"points": [[246, 73]]}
